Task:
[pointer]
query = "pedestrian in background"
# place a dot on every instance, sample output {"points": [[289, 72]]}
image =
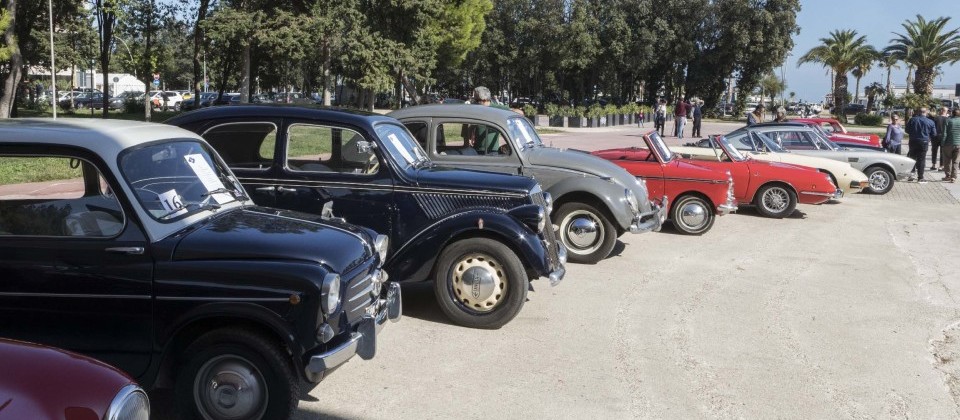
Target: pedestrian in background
{"points": [[894, 137], [697, 118], [755, 117], [920, 130], [680, 114], [660, 116], [640, 118], [939, 122], [951, 146], [780, 114]]}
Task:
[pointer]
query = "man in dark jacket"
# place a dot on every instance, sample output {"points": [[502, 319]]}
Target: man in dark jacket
{"points": [[939, 121], [921, 130], [697, 118]]}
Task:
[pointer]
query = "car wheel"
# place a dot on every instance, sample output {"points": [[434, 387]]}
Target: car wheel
{"points": [[880, 180], [692, 215], [586, 232], [480, 283], [234, 373], [776, 201]]}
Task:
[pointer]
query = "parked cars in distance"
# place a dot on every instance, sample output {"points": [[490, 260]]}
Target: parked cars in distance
{"points": [[881, 168], [839, 134], [167, 271], [759, 146], [229, 98], [854, 108], [41, 382], [595, 200], [119, 101], [84, 100], [206, 99], [165, 100], [697, 194], [480, 237]]}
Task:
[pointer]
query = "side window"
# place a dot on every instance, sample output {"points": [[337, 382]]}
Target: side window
{"points": [[314, 148], [740, 141], [827, 127], [420, 132], [56, 196], [244, 145], [471, 139], [793, 140]]}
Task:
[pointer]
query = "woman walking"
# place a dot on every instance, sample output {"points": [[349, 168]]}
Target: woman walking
{"points": [[894, 137]]}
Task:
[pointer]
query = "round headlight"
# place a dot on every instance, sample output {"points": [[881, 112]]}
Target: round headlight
{"points": [[131, 403], [330, 293], [382, 244], [548, 200], [631, 200]]}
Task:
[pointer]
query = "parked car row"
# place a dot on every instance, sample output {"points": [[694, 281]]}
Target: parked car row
{"points": [[241, 254]]}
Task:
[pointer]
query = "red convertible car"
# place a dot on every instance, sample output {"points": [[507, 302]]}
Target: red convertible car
{"points": [[774, 188], [696, 193], [40, 382], [839, 134]]}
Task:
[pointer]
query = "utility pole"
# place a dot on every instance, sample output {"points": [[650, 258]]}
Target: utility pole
{"points": [[53, 65]]}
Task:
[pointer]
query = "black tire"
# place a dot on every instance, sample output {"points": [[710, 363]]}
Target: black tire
{"points": [[879, 180], [692, 215], [237, 351], [496, 272], [586, 232], [776, 201]]}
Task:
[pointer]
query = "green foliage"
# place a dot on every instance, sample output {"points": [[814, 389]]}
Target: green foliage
{"points": [[868, 119], [594, 111], [134, 106], [552, 110], [914, 101], [530, 111], [611, 109], [843, 51], [926, 45]]}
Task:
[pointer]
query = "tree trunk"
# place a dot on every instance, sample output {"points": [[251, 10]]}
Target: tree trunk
{"points": [[856, 92], [198, 80], [245, 76], [923, 82], [889, 91], [12, 81], [840, 95]]}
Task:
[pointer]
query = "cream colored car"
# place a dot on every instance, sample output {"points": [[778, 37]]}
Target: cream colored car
{"points": [[848, 179]]}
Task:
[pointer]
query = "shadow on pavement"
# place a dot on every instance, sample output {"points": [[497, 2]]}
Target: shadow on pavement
{"points": [[752, 211], [162, 407], [419, 302]]}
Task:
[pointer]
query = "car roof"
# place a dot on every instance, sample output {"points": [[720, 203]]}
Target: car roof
{"points": [[348, 116], [781, 125], [487, 113], [107, 138]]}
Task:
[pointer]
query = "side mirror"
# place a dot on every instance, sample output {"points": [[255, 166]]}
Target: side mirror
{"points": [[364, 147], [326, 213]]}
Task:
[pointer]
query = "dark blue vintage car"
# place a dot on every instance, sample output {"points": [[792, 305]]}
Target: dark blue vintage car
{"points": [[133, 243], [480, 236]]}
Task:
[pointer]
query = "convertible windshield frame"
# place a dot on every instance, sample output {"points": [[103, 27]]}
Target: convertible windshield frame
{"points": [[732, 152], [661, 147]]}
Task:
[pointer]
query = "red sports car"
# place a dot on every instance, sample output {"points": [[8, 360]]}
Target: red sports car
{"points": [[839, 134], [696, 194], [774, 188], [40, 382]]}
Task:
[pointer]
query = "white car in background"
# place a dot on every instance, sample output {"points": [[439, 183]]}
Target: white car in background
{"points": [[173, 99]]}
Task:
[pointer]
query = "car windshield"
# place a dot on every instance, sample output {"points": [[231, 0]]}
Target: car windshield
{"points": [[523, 134], [731, 151], [768, 142], [657, 142], [824, 139], [401, 145], [175, 179]]}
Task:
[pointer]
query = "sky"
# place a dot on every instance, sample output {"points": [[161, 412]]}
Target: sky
{"points": [[877, 20]]}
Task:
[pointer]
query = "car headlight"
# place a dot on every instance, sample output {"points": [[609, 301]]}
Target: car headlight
{"points": [[541, 219], [131, 403], [631, 200], [382, 244], [548, 201], [330, 293]]}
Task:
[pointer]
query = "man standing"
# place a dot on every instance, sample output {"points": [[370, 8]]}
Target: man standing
{"points": [[697, 118], [951, 146], [481, 96], [939, 122], [660, 116], [680, 113], [921, 130]]}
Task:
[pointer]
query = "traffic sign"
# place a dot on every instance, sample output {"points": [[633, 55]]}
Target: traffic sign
{"points": [[156, 82]]}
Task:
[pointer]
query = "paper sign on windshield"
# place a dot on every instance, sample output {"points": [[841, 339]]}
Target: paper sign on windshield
{"points": [[206, 175], [399, 145], [171, 201]]}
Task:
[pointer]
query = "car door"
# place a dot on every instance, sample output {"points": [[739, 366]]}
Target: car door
{"points": [[330, 163], [75, 267], [472, 144]]}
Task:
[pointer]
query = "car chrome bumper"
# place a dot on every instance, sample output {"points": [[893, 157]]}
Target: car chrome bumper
{"points": [[650, 220], [834, 195], [556, 275], [857, 185], [726, 208], [363, 341]]}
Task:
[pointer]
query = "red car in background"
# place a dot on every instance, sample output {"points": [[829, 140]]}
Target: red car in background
{"points": [[839, 134], [696, 194], [40, 382]]}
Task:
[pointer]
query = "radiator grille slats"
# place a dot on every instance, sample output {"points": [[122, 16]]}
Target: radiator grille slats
{"points": [[437, 206]]}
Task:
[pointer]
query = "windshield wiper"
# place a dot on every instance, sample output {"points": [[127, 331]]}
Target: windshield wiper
{"points": [[213, 206], [236, 194]]}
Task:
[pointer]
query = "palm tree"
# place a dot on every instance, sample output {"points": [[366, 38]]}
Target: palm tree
{"points": [[889, 62], [841, 52], [926, 45], [861, 69], [872, 91]]}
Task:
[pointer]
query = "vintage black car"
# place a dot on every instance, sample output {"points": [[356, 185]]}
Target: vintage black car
{"points": [[480, 236], [596, 201], [134, 243]]}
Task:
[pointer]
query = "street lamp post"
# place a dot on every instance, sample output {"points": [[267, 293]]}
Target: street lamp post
{"points": [[53, 65]]}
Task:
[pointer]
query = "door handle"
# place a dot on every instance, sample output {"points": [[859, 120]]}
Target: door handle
{"points": [[286, 190], [269, 189], [129, 250]]}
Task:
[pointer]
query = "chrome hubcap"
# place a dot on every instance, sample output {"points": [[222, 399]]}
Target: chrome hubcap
{"points": [[693, 214], [879, 180], [582, 232], [776, 199], [479, 282], [230, 387]]}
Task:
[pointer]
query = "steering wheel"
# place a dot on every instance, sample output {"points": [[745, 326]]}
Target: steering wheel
{"points": [[503, 150], [372, 165]]}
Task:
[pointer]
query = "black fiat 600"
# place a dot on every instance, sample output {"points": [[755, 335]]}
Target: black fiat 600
{"points": [[480, 236], [133, 243]]}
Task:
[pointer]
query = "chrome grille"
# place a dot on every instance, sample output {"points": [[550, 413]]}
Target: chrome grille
{"points": [[359, 296], [549, 235], [437, 206]]}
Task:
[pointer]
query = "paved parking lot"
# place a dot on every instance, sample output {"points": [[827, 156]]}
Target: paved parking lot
{"points": [[845, 310]]}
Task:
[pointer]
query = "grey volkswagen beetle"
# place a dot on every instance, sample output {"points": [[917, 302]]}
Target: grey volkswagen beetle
{"points": [[595, 201]]}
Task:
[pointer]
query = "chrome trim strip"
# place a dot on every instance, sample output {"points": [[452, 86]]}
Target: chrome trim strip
{"points": [[363, 293], [222, 299], [74, 295], [705, 181], [369, 186]]}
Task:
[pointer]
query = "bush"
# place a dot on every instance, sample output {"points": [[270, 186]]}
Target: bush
{"points": [[867, 119], [132, 106], [552, 110], [595, 111], [530, 111]]}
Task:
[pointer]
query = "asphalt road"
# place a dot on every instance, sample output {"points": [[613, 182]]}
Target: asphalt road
{"points": [[845, 310]]}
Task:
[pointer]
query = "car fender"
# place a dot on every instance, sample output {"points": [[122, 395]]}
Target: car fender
{"points": [[609, 193], [415, 260]]}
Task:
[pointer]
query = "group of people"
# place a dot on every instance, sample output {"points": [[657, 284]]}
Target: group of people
{"points": [[683, 109], [939, 134]]}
